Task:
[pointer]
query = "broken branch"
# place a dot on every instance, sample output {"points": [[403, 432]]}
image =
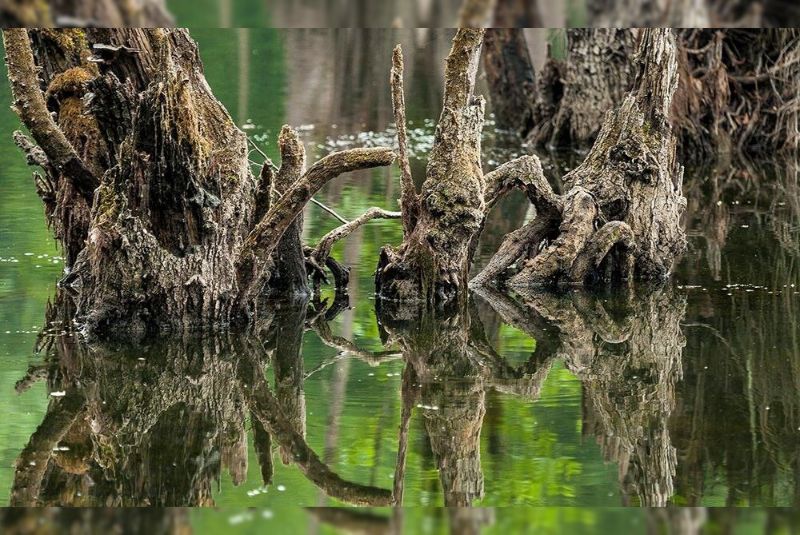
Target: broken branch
{"points": [[409, 200], [30, 106], [264, 238]]}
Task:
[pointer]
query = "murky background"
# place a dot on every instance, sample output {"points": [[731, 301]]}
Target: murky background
{"points": [[721, 410]]}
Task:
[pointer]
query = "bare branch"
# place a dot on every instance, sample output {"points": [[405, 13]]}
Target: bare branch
{"points": [[265, 407], [264, 238], [409, 200], [329, 210], [462, 68], [323, 249], [30, 106]]}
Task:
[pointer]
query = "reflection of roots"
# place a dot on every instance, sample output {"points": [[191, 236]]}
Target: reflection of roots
{"points": [[628, 368]]}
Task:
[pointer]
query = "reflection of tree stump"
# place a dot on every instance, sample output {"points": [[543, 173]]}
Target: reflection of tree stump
{"points": [[629, 371], [451, 396], [156, 425]]}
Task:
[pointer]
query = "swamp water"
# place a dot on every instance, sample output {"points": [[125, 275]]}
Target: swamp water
{"points": [[686, 395]]}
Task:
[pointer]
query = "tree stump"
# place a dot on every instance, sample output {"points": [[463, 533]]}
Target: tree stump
{"points": [[620, 216], [148, 183]]}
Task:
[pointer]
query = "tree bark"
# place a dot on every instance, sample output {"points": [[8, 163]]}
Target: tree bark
{"points": [[178, 234], [432, 263]]}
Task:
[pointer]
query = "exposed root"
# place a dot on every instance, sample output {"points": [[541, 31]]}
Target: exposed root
{"points": [[516, 245], [556, 260], [524, 173], [588, 260], [628, 187]]}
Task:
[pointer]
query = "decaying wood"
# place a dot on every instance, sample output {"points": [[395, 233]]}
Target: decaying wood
{"points": [[289, 276], [432, 263], [620, 218]]}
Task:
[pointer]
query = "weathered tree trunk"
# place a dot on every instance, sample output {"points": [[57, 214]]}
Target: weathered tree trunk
{"points": [[433, 262], [595, 76], [100, 13], [148, 185], [511, 79], [620, 218]]}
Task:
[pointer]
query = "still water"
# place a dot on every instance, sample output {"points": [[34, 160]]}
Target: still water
{"points": [[684, 395]]}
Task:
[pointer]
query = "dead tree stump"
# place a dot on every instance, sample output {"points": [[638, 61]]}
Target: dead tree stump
{"points": [[148, 183], [620, 216]]}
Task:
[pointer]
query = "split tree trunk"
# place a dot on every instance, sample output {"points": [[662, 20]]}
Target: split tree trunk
{"points": [[433, 261], [148, 185]]}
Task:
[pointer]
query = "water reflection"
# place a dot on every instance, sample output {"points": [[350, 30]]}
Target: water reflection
{"points": [[157, 424]]}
